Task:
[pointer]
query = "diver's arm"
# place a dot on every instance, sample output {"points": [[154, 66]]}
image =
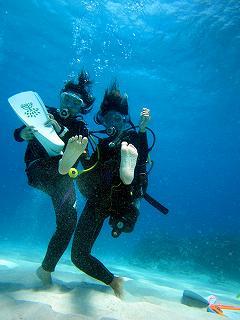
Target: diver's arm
{"points": [[143, 148], [56, 121], [144, 119], [51, 122], [142, 136], [141, 179]]}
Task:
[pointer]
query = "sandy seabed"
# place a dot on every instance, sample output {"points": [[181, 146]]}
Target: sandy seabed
{"points": [[149, 295]]}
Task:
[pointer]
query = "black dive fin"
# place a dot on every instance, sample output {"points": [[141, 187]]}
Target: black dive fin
{"points": [[155, 203], [192, 299]]}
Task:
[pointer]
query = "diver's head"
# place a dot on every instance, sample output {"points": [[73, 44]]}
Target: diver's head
{"points": [[113, 111], [76, 98]]}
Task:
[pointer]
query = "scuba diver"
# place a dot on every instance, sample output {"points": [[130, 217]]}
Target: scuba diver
{"points": [[76, 100], [113, 182]]}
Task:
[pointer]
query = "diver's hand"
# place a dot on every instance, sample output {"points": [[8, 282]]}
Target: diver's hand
{"points": [[144, 119], [52, 122], [27, 133]]}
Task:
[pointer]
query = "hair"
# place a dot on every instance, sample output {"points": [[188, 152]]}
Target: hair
{"points": [[113, 100], [82, 87]]}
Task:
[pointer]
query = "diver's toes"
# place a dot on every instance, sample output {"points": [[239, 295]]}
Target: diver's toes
{"points": [[132, 149], [124, 143], [85, 141]]}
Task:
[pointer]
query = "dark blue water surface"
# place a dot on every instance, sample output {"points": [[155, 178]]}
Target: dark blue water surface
{"points": [[179, 58]]}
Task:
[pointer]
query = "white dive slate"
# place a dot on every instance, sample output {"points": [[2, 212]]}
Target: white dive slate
{"points": [[31, 110]]}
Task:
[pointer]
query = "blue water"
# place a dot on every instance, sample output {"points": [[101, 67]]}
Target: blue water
{"points": [[181, 59]]}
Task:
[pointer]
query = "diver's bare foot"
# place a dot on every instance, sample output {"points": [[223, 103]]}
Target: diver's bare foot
{"points": [[44, 276], [117, 286], [129, 156], [75, 147]]}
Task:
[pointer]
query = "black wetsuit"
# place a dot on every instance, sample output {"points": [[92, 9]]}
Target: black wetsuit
{"points": [[107, 196], [42, 173]]}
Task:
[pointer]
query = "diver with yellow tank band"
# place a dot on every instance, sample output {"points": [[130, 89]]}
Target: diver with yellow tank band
{"points": [[113, 180]]}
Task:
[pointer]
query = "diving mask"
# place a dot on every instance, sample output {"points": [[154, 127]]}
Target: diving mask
{"points": [[72, 102], [114, 119]]}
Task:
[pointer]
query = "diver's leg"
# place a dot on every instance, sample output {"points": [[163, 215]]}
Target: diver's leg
{"points": [[44, 176], [129, 157], [75, 147], [38, 178], [87, 231], [64, 202]]}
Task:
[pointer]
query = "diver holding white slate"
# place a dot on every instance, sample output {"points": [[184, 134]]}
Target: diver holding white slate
{"points": [[47, 130]]}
